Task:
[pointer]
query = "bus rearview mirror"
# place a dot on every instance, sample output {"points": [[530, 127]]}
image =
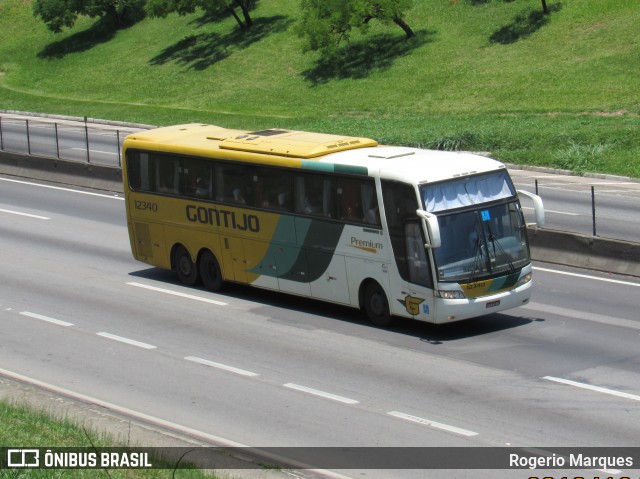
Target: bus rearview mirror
{"points": [[432, 227], [538, 207]]}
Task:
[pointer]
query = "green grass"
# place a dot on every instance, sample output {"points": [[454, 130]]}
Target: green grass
{"points": [[558, 90], [24, 427]]}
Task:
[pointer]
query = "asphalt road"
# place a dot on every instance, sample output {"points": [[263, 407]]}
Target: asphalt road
{"points": [[268, 370]]}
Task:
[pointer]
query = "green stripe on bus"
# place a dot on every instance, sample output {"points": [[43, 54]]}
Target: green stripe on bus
{"points": [[333, 168]]}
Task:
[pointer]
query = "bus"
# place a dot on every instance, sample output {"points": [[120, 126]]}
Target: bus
{"points": [[394, 231]]}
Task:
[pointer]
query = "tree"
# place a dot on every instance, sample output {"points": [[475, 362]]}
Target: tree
{"points": [[162, 8], [57, 14], [326, 23], [545, 9]]}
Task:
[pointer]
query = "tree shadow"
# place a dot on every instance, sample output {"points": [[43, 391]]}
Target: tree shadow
{"points": [[199, 52], [523, 26], [101, 31], [361, 59]]}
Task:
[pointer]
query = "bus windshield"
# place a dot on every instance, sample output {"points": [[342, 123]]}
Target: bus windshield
{"points": [[485, 233], [482, 242]]}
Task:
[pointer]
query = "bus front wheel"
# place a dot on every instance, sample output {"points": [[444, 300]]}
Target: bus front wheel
{"points": [[210, 271], [184, 266], [376, 305]]}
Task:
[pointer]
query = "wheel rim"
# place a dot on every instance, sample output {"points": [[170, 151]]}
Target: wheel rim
{"points": [[211, 270], [185, 265], [377, 303]]}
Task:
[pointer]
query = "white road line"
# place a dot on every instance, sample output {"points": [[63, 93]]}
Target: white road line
{"points": [[607, 280], [102, 195], [25, 214], [316, 392], [127, 340], [553, 211], [95, 151], [224, 367], [176, 293], [46, 318], [599, 389], [582, 315], [434, 424]]}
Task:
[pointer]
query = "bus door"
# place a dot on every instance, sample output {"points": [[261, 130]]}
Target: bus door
{"points": [[420, 300], [233, 258]]}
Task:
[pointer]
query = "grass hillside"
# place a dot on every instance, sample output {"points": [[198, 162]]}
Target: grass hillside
{"points": [[561, 90]]}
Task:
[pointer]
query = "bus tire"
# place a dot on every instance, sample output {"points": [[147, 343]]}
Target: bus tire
{"points": [[210, 271], [376, 305], [184, 266]]}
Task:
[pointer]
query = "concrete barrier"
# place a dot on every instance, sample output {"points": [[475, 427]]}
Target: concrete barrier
{"points": [[550, 246], [61, 171], [590, 252]]}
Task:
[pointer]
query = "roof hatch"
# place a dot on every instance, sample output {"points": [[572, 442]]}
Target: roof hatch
{"points": [[298, 144]]}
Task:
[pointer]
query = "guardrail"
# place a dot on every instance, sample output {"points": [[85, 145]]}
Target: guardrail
{"points": [[73, 139]]}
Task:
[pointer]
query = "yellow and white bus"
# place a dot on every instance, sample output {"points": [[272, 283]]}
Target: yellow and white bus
{"points": [[395, 231]]}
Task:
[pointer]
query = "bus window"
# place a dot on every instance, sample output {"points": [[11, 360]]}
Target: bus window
{"points": [[417, 262], [273, 189], [237, 183], [196, 178], [357, 201], [167, 175], [314, 195], [400, 205]]}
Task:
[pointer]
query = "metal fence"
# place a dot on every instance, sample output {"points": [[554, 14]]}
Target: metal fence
{"points": [[66, 140]]}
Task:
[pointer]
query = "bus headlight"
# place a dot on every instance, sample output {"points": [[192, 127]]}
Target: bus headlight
{"points": [[524, 280], [450, 294]]}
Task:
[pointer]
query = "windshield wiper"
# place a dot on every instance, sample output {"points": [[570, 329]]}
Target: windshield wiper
{"points": [[477, 253], [501, 250]]}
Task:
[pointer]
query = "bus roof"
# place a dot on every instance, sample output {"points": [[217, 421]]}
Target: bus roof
{"points": [[317, 151]]}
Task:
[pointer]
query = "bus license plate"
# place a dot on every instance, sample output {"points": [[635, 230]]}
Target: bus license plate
{"points": [[493, 304]]}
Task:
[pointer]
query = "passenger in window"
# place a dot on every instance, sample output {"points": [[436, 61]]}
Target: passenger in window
{"points": [[237, 196]]}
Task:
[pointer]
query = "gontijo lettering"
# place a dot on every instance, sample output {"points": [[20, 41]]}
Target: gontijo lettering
{"points": [[223, 218]]}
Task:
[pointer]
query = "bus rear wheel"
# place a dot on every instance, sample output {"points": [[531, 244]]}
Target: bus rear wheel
{"points": [[184, 266], [376, 305], [210, 272]]}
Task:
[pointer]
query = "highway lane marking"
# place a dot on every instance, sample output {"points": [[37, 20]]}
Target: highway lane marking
{"points": [[224, 367], [46, 318], [317, 392], [38, 217], [176, 293], [583, 315], [95, 151], [131, 342], [553, 211], [434, 424], [102, 195], [611, 392], [585, 276]]}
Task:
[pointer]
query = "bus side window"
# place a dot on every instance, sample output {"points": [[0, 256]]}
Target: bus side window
{"points": [[400, 205], [417, 261], [350, 208], [167, 175], [196, 178], [315, 195], [238, 184], [357, 201], [273, 189]]}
